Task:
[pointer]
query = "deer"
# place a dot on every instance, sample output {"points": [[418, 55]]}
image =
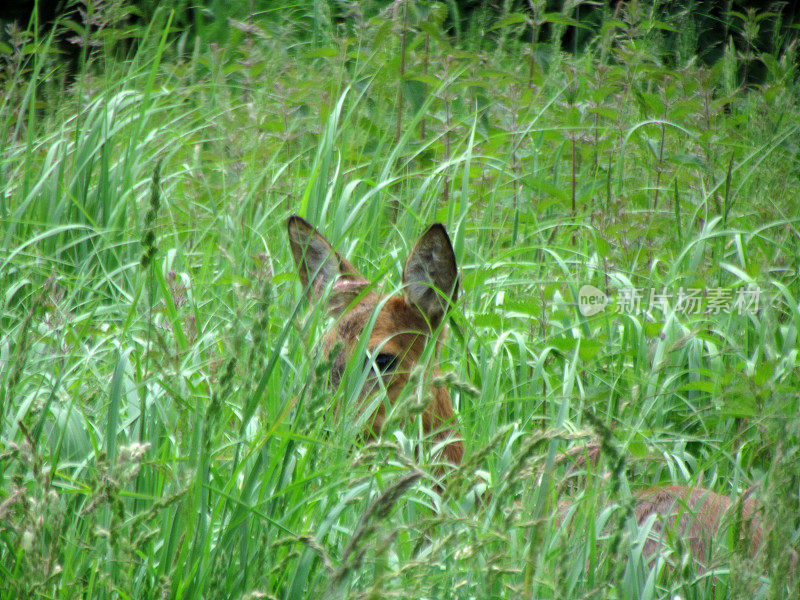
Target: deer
{"points": [[403, 326], [406, 322]]}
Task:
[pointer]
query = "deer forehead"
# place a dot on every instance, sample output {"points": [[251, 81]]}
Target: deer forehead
{"points": [[398, 328]]}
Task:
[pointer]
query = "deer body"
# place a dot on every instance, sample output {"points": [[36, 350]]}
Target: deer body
{"points": [[697, 515], [405, 323]]}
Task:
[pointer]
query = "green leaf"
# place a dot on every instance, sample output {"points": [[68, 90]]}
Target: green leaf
{"points": [[114, 400], [763, 373], [512, 19], [490, 320], [565, 344], [561, 19], [699, 385], [605, 112], [322, 52], [416, 92], [529, 308], [653, 329], [689, 160], [661, 25], [739, 406], [589, 349], [542, 185], [434, 32]]}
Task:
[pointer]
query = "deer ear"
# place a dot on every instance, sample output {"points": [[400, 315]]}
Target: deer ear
{"points": [[316, 260], [430, 276]]}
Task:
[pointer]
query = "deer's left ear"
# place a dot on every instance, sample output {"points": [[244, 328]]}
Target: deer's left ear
{"points": [[430, 276], [317, 262]]}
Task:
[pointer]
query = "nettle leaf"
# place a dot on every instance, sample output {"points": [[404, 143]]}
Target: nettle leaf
{"points": [[661, 25], [699, 385], [763, 373], [565, 344], [639, 448], [739, 406], [653, 328], [497, 77], [416, 91], [530, 308], [542, 185], [489, 320], [275, 125], [602, 247], [474, 280], [473, 83], [612, 23], [589, 349], [322, 52], [548, 203], [427, 80], [356, 55], [678, 111], [689, 160], [605, 112], [512, 19], [561, 19], [434, 32], [384, 29]]}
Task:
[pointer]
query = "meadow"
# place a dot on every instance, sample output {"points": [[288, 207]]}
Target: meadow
{"points": [[166, 425]]}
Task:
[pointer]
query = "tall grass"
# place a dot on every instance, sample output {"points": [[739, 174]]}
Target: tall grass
{"points": [[165, 426]]}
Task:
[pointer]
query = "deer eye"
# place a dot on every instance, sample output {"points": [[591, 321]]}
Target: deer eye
{"points": [[385, 362]]}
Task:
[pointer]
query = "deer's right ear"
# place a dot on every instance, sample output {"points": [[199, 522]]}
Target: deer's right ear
{"points": [[430, 276], [316, 260]]}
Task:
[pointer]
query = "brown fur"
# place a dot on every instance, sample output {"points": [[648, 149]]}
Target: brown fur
{"points": [[697, 515], [403, 327]]}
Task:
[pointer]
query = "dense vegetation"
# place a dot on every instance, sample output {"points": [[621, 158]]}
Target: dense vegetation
{"points": [[165, 426]]}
